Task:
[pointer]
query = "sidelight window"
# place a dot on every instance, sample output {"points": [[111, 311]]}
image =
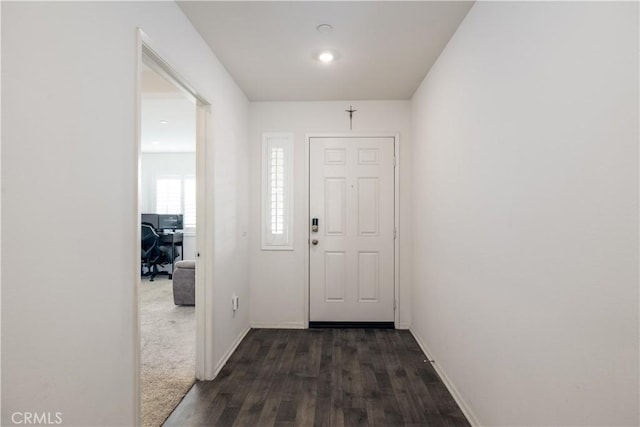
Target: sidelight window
{"points": [[277, 191]]}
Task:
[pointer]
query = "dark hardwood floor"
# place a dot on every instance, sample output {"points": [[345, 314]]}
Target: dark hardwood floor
{"points": [[322, 377]]}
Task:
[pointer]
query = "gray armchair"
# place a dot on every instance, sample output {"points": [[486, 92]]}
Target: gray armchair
{"points": [[184, 283]]}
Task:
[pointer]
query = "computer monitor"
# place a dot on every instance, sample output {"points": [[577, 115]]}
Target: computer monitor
{"points": [[150, 219], [170, 222]]}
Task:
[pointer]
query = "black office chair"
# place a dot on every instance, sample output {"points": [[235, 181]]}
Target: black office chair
{"points": [[148, 250], [152, 254]]}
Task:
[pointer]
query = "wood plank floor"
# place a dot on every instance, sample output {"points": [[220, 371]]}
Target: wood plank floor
{"points": [[322, 377]]}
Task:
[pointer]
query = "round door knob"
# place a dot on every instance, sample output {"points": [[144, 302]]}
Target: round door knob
{"points": [[314, 241]]}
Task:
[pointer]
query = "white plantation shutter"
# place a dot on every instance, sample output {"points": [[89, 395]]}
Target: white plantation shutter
{"points": [[277, 191], [276, 188], [169, 195], [176, 194], [189, 202]]}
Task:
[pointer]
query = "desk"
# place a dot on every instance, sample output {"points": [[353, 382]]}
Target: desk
{"points": [[175, 239]]}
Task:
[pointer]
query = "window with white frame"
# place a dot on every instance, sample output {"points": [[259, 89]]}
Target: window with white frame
{"points": [[176, 194], [169, 194], [277, 191], [189, 201]]}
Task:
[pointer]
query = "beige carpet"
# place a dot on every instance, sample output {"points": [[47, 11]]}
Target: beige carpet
{"points": [[167, 350]]}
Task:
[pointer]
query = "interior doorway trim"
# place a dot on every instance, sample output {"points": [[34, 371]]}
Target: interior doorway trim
{"points": [[147, 53], [396, 212]]}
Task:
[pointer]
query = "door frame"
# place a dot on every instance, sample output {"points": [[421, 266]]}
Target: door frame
{"points": [[396, 212], [147, 53]]}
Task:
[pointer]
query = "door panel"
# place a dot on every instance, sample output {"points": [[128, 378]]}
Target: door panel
{"points": [[368, 276], [351, 187], [335, 190], [368, 206]]}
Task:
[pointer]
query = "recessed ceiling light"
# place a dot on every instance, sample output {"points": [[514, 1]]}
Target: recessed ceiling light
{"points": [[324, 28], [164, 122], [155, 142], [326, 57]]}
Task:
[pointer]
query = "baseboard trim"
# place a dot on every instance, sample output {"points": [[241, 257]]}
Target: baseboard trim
{"points": [[471, 417], [277, 325], [229, 352], [404, 326]]}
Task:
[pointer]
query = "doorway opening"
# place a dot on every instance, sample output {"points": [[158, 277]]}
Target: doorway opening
{"points": [[171, 216]]}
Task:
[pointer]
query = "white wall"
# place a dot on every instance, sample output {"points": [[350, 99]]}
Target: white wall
{"points": [[277, 277], [69, 164], [153, 165], [525, 224]]}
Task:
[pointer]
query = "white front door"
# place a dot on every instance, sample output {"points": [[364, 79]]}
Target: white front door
{"points": [[351, 256]]}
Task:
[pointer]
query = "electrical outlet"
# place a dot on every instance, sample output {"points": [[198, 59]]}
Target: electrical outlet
{"points": [[234, 302]]}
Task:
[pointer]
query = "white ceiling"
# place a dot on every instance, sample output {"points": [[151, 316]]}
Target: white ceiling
{"points": [[384, 49], [164, 102]]}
